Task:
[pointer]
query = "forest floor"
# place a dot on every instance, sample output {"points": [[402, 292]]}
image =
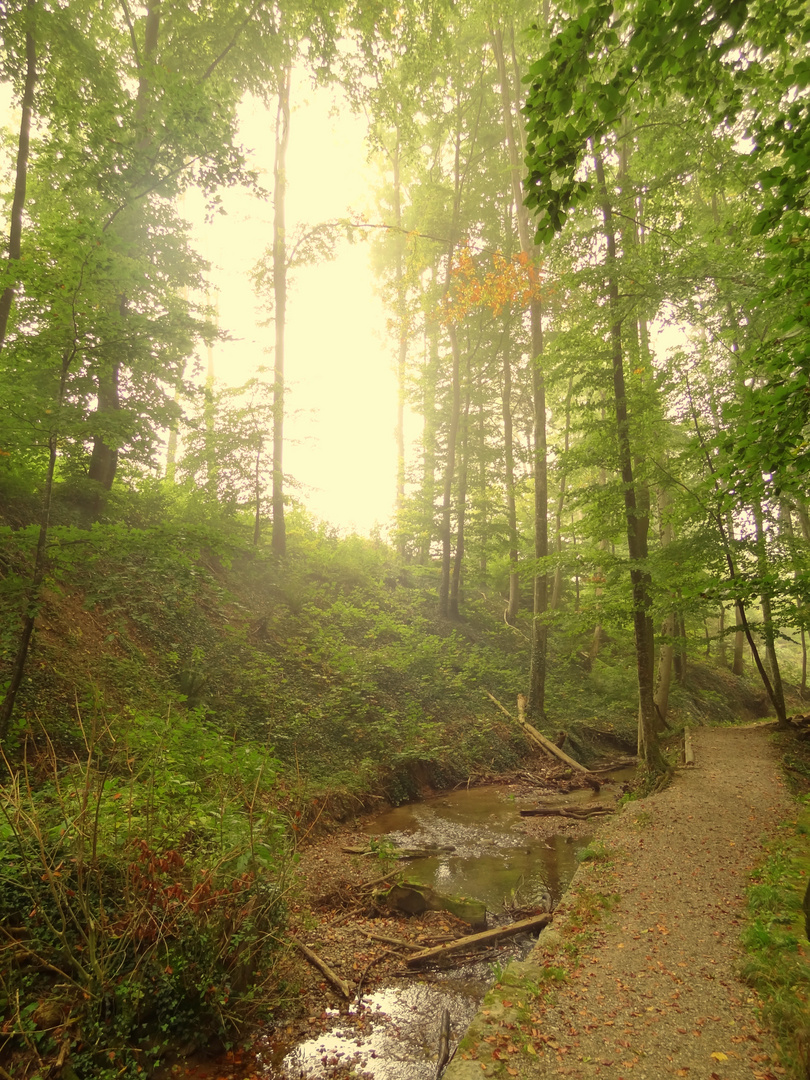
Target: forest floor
{"points": [[637, 978]]}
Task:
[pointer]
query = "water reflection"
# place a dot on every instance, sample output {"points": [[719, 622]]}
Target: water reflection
{"points": [[392, 1035], [493, 858]]}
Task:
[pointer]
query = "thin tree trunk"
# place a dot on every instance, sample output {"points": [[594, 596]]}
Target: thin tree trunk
{"points": [[21, 175], [649, 748], [738, 666], [556, 593], [722, 644], [665, 655], [33, 593], [767, 615], [483, 532], [463, 472], [449, 475], [429, 441], [103, 464], [509, 467], [537, 668], [282, 137], [402, 350]]}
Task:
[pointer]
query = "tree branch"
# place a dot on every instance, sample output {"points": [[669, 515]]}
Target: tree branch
{"points": [[128, 17]]}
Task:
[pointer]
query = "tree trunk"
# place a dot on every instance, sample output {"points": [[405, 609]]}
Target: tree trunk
{"points": [[21, 172], [649, 749], [429, 441], [767, 617], [33, 592], [556, 593], [402, 330], [668, 630], [282, 137], [510, 107], [722, 644], [509, 479], [449, 475], [104, 457], [461, 513]]}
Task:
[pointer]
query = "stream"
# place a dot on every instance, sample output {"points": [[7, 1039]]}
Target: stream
{"points": [[391, 1033]]}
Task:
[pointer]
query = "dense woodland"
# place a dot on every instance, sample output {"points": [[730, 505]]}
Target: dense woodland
{"points": [[591, 238]]}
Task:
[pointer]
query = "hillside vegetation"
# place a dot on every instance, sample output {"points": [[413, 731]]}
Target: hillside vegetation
{"points": [[192, 707]]}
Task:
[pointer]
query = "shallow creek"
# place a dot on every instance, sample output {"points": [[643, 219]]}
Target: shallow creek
{"points": [[392, 1032]]}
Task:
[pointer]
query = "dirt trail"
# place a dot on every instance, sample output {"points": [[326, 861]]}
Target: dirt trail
{"points": [[647, 940]]}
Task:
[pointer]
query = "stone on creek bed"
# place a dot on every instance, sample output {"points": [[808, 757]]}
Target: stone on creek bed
{"points": [[414, 899]]}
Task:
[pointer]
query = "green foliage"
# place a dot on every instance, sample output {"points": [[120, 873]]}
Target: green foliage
{"points": [[776, 940], [147, 884]]}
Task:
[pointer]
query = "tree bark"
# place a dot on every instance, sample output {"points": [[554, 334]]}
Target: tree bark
{"points": [[461, 513], [539, 644], [649, 749], [664, 680], [33, 593], [282, 137], [767, 617], [21, 171], [509, 478], [429, 441], [402, 330], [449, 474], [556, 592]]}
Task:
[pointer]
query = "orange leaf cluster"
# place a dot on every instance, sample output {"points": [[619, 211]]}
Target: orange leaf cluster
{"points": [[507, 283]]}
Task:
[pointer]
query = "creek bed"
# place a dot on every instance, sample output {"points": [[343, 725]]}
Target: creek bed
{"points": [[391, 1033]]}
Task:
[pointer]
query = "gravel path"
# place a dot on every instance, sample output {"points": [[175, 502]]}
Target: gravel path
{"points": [[648, 939]]}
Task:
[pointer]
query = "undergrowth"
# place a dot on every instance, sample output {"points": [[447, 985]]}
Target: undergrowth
{"points": [[142, 896], [778, 964]]}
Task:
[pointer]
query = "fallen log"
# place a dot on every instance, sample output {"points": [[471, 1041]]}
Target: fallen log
{"points": [[427, 852], [400, 944], [534, 735], [547, 745], [622, 763], [536, 922], [444, 1043], [322, 966], [567, 811]]}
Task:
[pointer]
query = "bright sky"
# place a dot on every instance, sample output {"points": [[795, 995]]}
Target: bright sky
{"points": [[341, 389]]}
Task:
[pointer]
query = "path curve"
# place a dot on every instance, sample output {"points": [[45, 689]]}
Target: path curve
{"points": [[651, 991]]}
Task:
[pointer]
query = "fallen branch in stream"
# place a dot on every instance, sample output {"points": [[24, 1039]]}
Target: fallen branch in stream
{"points": [[535, 736], [444, 1043], [576, 812], [400, 944], [536, 922], [322, 966]]}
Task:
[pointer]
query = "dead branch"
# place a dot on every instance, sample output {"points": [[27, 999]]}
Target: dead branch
{"points": [[536, 922], [567, 811], [391, 940], [322, 966]]}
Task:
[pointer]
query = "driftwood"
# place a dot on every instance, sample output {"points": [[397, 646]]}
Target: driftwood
{"points": [[567, 811], [535, 736], [444, 1043], [536, 922], [400, 944], [622, 763], [322, 966], [427, 852]]}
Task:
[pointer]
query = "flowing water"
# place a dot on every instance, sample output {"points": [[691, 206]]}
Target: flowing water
{"points": [[486, 854]]}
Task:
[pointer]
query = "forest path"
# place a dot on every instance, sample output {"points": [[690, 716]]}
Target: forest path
{"points": [[647, 941]]}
